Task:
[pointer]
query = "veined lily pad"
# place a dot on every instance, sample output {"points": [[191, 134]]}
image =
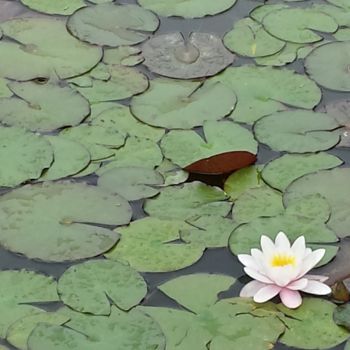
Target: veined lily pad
{"points": [[62, 7], [124, 55], [113, 25], [68, 232], [23, 156], [187, 9], [297, 131], [147, 245], [201, 55], [187, 148], [182, 104], [35, 54], [90, 287], [43, 107]]}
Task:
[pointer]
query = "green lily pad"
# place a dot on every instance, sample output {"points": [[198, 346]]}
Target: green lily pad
{"points": [[341, 316], [113, 25], [258, 13], [299, 25], [4, 90], [35, 54], [71, 212], [90, 287], [267, 90], [249, 38], [342, 34], [340, 12], [297, 131], [305, 50], [133, 183], [287, 55], [188, 201], [147, 245], [62, 7], [281, 172], [124, 55], [42, 107], [336, 77], [331, 184], [182, 104], [187, 9], [311, 326], [201, 55], [172, 174], [23, 156]]}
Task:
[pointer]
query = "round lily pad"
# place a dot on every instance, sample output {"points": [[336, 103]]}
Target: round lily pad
{"points": [[297, 131], [187, 9], [69, 230], [182, 104], [92, 286], [287, 55], [43, 107], [62, 7], [147, 245], [112, 25], [259, 12], [336, 76], [32, 54], [23, 156], [171, 55]]}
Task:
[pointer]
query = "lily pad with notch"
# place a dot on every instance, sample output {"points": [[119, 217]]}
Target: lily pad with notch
{"points": [[62, 7]]}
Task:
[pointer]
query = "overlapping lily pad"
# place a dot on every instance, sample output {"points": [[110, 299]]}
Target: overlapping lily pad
{"points": [[287, 55], [112, 24], [4, 90], [62, 7], [58, 221], [259, 12], [123, 55]]}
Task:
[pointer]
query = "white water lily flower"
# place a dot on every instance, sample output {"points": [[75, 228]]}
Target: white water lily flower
{"points": [[279, 268]]}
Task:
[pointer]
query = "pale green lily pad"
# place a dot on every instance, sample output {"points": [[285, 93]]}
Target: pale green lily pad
{"points": [[343, 34], [92, 286], [4, 90], [69, 231], [112, 24], [187, 9], [340, 12], [20, 288], [260, 12], [267, 90], [188, 201], [132, 330], [35, 54], [337, 76], [89, 170], [311, 326], [23, 156], [249, 38], [124, 55], [61, 7], [187, 147], [305, 50], [43, 107], [146, 245], [297, 131], [133, 183], [331, 184], [299, 25], [172, 174], [287, 55], [182, 104], [281, 172]]}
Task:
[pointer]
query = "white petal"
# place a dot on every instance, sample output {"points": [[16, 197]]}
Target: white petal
{"points": [[298, 247], [257, 275], [282, 242], [267, 246], [290, 298], [281, 276], [298, 284], [266, 293], [257, 255], [311, 261], [248, 261], [251, 288], [317, 278], [317, 288], [308, 251]]}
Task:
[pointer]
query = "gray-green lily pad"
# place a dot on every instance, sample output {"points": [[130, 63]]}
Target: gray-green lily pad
{"points": [[188, 201], [62, 7], [340, 12], [258, 13], [172, 174], [92, 286], [342, 34], [305, 50], [89, 170], [149, 245], [287, 55], [341, 315], [23, 156], [69, 230], [4, 90], [249, 38], [43, 107], [297, 131], [35, 54], [112, 24], [281, 172], [124, 55], [337, 76], [201, 55], [133, 183], [182, 104], [187, 9]]}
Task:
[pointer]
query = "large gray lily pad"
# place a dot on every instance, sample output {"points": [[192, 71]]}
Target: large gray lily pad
{"points": [[182, 104], [113, 25], [43, 107], [201, 55], [92, 286], [57, 221], [23, 156], [36, 56], [62, 7]]}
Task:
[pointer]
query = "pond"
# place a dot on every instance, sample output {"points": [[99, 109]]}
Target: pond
{"points": [[144, 145]]}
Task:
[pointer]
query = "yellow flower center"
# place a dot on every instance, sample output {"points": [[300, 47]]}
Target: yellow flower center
{"points": [[280, 260]]}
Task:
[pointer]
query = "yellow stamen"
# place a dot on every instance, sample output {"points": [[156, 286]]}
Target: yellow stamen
{"points": [[280, 260]]}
